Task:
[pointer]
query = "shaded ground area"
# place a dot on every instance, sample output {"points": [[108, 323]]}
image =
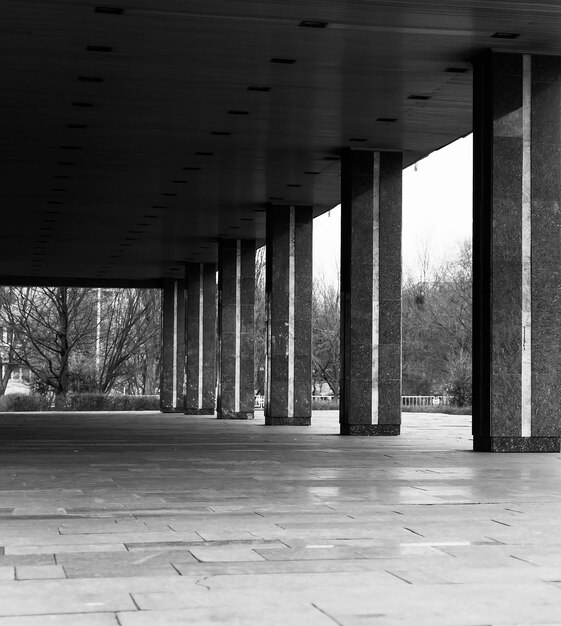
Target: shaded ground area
{"points": [[149, 519]]}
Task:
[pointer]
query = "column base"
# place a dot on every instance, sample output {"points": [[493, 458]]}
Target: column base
{"points": [[371, 430], [170, 410], [287, 421], [199, 411], [241, 415], [516, 444]]}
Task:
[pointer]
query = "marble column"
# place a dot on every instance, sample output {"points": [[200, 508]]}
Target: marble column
{"points": [[200, 331], [517, 253], [236, 299], [172, 376], [288, 287], [370, 293]]}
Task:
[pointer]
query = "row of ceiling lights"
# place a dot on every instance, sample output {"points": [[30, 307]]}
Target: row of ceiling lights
{"points": [[119, 11]]}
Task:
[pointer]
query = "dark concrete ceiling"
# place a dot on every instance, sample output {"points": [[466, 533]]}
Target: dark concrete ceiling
{"points": [[134, 135]]}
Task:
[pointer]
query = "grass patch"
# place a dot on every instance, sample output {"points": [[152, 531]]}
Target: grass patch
{"points": [[438, 408]]}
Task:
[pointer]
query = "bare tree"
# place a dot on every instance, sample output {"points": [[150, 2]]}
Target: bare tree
{"points": [[129, 324], [326, 346], [437, 329], [48, 325]]}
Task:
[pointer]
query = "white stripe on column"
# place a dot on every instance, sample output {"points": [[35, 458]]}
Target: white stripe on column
{"points": [[375, 287], [174, 359], [201, 345], [238, 325], [291, 300], [527, 247]]}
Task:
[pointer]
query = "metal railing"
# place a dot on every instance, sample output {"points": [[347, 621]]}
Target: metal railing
{"points": [[425, 400]]}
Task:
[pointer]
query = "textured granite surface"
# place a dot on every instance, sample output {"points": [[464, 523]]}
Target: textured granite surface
{"points": [[369, 430], [498, 197], [194, 273], [516, 444], [277, 294], [227, 255], [358, 259], [166, 377], [287, 421]]}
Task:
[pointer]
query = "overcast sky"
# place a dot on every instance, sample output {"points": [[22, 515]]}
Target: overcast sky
{"points": [[437, 211]]}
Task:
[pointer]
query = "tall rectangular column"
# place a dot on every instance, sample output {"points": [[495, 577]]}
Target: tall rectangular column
{"points": [[370, 401], [200, 330], [288, 286], [236, 299], [172, 370], [517, 253]]}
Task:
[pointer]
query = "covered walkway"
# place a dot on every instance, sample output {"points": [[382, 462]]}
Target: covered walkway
{"points": [[151, 519]]}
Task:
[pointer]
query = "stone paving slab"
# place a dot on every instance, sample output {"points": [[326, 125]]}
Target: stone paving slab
{"points": [[149, 519]]}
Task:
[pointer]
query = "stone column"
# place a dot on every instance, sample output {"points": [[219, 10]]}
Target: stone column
{"points": [[288, 288], [172, 376], [517, 253], [370, 293], [236, 298], [200, 330]]}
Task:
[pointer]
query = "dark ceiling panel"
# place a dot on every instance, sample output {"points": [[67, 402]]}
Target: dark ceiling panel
{"points": [[131, 141]]}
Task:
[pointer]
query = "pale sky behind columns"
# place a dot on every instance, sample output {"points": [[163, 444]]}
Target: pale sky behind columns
{"points": [[437, 212]]}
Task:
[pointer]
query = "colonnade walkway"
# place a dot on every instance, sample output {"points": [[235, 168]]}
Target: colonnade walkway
{"points": [[148, 519]]}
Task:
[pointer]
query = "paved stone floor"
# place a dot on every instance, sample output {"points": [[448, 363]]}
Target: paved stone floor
{"points": [[149, 520]]}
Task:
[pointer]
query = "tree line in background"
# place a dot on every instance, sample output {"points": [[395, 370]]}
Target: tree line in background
{"points": [[436, 327], [81, 340]]}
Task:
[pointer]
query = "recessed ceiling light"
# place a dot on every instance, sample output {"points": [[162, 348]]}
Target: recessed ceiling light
{"points": [[313, 24], [180, 182], [358, 139], [191, 169], [312, 173], [221, 133], [204, 153], [417, 97], [99, 48], [45, 228], [152, 217], [456, 70], [235, 227], [70, 147], [503, 35], [109, 10], [115, 256], [90, 79], [386, 119], [157, 206], [79, 126], [237, 112], [283, 61], [293, 185], [58, 189], [261, 88], [50, 212], [54, 202], [274, 198], [83, 105], [60, 177], [136, 232], [142, 224], [67, 163], [170, 195], [248, 219]]}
